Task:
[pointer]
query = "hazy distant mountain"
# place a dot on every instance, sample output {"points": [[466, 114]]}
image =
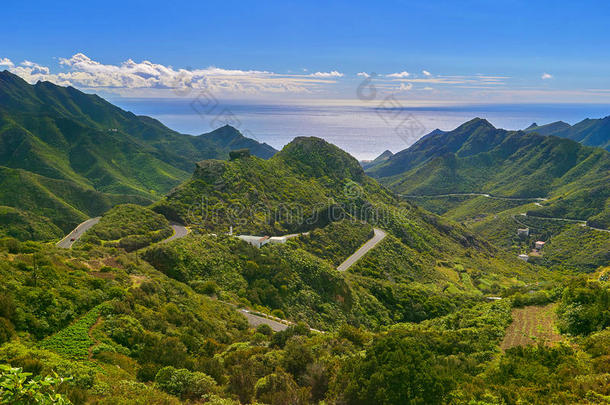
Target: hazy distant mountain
{"points": [[104, 155], [366, 164], [590, 132], [548, 129]]}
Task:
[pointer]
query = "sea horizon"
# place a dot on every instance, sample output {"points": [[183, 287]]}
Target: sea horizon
{"points": [[363, 131]]}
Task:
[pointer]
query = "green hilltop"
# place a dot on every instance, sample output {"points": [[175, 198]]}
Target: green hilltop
{"points": [[311, 184], [78, 155], [430, 315]]}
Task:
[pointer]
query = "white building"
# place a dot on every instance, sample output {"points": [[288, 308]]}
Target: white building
{"points": [[525, 258], [256, 241], [539, 245], [278, 239], [260, 241]]}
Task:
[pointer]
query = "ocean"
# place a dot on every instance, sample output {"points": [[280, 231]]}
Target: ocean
{"points": [[365, 132]]}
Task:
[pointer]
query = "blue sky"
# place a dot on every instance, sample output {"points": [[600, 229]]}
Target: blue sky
{"points": [[453, 52]]}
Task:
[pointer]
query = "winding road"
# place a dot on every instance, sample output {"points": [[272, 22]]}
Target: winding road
{"points": [[581, 222], [576, 221], [75, 235], [487, 195], [378, 236], [180, 231]]}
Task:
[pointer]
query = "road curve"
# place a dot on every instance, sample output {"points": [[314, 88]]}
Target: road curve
{"points": [[180, 231], [67, 243], [580, 222], [378, 236]]}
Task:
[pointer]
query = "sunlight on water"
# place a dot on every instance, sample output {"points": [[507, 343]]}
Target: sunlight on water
{"points": [[363, 132]]}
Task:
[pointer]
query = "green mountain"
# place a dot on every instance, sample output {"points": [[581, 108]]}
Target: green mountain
{"points": [[366, 164], [95, 153], [487, 178], [311, 184], [548, 129], [478, 158], [429, 315], [590, 132]]}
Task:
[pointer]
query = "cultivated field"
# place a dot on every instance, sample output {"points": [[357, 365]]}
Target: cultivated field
{"points": [[531, 325]]}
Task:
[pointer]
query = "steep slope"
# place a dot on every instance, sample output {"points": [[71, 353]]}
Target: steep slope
{"points": [[311, 183], [473, 137], [366, 164], [59, 135], [548, 129], [478, 158], [590, 132], [294, 190], [64, 201]]}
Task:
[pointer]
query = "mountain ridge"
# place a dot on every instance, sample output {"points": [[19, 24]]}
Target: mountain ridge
{"points": [[62, 134]]}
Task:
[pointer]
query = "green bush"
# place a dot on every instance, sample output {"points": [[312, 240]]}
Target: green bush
{"points": [[184, 383], [19, 388]]}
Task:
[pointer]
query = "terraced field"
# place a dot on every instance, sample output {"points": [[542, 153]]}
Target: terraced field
{"points": [[531, 325]]}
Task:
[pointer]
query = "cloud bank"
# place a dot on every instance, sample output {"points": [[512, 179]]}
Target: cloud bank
{"points": [[84, 72]]}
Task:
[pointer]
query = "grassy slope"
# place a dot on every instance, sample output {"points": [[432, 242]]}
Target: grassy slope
{"points": [[424, 255], [128, 226], [79, 141], [24, 225], [479, 158], [591, 132]]}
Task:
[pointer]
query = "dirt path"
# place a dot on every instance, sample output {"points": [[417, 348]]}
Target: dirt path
{"points": [[531, 325], [95, 341]]}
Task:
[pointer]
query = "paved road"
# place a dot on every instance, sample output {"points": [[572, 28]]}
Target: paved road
{"points": [[179, 232], [371, 243], [256, 320], [67, 243], [581, 222], [495, 197]]}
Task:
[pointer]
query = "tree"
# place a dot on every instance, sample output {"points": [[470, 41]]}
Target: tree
{"points": [[396, 370]]}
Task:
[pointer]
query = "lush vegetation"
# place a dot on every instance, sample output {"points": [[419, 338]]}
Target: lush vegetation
{"points": [[591, 132], [24, 225], [423, 318], [129, 227], [336, 241], [476, 157], [16, 387], [66, 155]]}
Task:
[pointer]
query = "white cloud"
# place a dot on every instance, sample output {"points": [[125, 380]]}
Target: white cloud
{"points": [[334, 73], [426, 73], [6, 62], [130, 77], [363, 74], [546, 76], [400, 75], [405, 87]]}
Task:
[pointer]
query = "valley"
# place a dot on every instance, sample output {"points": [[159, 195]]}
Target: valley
{"points": [[129, 262]]}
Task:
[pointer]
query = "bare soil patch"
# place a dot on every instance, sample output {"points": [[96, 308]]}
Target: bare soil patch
{"points": [[532, 325]]}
